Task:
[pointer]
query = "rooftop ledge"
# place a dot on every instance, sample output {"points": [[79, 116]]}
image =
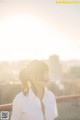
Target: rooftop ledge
{"points": [[8, 107]]}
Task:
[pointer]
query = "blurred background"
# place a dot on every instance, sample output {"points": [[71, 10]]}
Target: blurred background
{"points": [[44, 30]]}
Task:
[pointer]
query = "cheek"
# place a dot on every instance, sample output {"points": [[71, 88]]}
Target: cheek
{"points": [[46, 77]]}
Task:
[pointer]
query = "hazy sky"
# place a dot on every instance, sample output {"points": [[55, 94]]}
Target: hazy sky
{"points": [[39, 28]]}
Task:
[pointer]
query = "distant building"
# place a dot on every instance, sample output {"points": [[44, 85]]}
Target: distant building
{"points": [[55, 67]]}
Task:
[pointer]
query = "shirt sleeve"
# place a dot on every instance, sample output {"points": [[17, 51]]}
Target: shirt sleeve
{"points": [[16, 110]]}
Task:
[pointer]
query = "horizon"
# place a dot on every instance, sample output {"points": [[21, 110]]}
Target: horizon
{"points": [[18, 60]]}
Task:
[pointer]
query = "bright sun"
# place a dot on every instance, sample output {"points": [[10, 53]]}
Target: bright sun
{"points": [[24, 37]]}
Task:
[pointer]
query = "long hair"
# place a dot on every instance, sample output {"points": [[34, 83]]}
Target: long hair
{"points": [[24, 77]]}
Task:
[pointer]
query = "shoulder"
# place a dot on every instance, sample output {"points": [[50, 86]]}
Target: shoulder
{"points": [[50, 94], [18, 98]]}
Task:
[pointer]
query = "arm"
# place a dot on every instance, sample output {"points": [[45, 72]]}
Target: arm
{"points": [[16, 110]]}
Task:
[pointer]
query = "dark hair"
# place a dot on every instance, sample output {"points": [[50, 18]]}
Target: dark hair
{"points": [[34, 71], [24, 77], [37, 66]]}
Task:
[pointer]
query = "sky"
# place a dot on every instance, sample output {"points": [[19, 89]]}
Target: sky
{"points": [[37, 29]]}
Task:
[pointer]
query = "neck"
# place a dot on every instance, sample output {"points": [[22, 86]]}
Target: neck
{"points": [[39, 91]]}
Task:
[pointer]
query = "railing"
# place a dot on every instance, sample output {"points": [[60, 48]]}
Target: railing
{"points": [[8, 107]]}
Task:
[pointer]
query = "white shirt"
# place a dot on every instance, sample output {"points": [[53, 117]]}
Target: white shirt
{"points": [[29, 107]]}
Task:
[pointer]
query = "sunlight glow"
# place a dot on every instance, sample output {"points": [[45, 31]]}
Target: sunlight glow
{"points": [[26, 37]]}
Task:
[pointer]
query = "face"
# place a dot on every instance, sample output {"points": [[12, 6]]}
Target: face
{"points": [[43, 82], [46, 76]]}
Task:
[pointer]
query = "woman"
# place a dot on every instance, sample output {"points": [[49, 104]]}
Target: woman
{"points": [[35, 102]]}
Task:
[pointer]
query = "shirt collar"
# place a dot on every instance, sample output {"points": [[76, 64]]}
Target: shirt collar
{"points": [[32, 94]]}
